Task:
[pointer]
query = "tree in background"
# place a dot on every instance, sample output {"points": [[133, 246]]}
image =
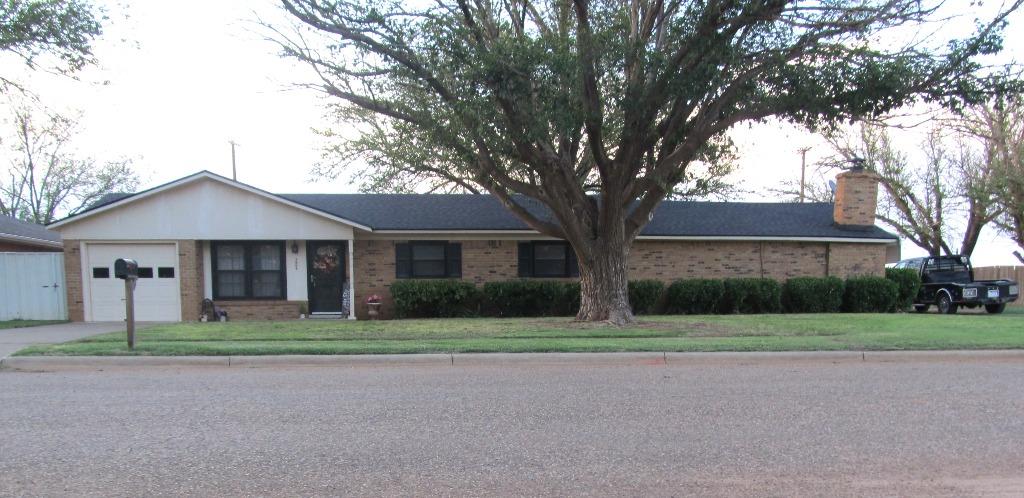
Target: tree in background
{"points": [[1000, 126], [64, 30], [46, 178], [956, 181], [597, 110]]}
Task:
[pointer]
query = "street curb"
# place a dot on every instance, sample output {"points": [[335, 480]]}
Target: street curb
{"points": [[354, 360], [511, 359], [48, 363], [52, 363]]}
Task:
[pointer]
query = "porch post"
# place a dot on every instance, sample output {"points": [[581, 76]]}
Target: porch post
{"points": [[352, 303]]}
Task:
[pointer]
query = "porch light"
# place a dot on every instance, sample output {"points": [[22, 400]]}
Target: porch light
{"points": [[295, 247]]}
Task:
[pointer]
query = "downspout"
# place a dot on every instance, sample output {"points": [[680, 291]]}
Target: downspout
{"points": [[828, 258]]}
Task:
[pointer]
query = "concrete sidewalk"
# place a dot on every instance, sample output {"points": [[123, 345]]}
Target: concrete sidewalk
{"points": [[12, 340], [52, 363]]}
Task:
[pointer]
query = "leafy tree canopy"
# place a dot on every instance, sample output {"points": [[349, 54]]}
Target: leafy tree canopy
{"points": [[560, 100], [64, 29]]}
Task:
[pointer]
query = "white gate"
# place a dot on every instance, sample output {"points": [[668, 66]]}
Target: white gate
{"points": [[32, 286]]}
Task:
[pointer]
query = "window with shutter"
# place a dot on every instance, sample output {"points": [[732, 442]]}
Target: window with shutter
{"points": [[428, 259], [547, 259]]}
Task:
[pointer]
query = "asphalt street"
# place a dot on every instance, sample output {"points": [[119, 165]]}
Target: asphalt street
{"points": [[938, 427]]}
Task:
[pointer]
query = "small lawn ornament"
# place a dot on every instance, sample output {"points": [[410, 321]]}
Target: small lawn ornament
{"points": [[373, 303]]}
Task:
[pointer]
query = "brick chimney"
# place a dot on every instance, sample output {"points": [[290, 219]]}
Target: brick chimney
{"points": [[856, 198]]}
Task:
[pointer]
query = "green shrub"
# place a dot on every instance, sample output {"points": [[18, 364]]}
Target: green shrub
{"points": [[697, 296], [434, 298], [812, 295], [908, 282], [870, 295], [751, 295], [645, 295], [531, 298]]}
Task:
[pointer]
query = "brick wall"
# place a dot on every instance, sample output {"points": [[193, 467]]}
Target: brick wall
{"points": [[671, 260], [260, 310], [856, 259], [190, 278], [485, 261], [73, 280], [374, 272]]}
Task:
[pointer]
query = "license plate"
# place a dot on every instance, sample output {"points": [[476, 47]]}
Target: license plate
{"points": [[993, 293]]}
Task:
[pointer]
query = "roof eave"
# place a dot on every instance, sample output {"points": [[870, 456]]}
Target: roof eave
{"points": [[10, 237]]}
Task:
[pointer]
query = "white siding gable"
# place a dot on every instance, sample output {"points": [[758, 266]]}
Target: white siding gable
{"points": [[205, 209]]}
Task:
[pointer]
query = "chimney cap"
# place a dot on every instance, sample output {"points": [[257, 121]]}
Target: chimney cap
{"points": [[856, 164]]}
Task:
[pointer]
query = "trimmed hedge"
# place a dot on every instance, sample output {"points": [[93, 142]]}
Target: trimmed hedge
{"points": [[812, 295], [870, 295], [645, 295], [908, 282], [751, 295], [434, 298], [697, 296], [532, 298]]}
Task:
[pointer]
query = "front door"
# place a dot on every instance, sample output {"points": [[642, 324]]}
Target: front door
{"points": [[326, 268]]}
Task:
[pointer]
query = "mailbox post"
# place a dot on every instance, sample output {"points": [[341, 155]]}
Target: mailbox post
{"points": [[128, 270]]}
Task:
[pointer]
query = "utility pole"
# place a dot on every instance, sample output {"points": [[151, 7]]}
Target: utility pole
{"points": [[803, 170], [234, 171]]}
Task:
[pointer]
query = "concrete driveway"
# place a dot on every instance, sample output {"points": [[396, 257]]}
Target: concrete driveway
{"points": [[12, 340], [934, 427]]}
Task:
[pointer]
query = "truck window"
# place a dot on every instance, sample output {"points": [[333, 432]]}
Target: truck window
{"points": [[946, 269]]}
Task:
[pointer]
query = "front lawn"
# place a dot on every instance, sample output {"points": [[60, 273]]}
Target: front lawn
{"points": [[16, 324], [825, 332]]}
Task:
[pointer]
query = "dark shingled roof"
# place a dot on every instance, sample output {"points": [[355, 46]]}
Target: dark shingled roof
{"points": [[672, 218], [441, 212], [18, 228]]}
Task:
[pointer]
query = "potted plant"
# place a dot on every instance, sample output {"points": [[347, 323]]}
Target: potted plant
{"points": [[373, 302]]}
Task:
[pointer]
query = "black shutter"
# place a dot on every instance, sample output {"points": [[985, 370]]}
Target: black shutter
{"points": [[525, 259], [403, 260], [571, 262], [453, 258]]}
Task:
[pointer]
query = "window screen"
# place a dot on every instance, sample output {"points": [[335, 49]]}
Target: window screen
{"points": [[547, 259], [428, 259], [248, 270]]}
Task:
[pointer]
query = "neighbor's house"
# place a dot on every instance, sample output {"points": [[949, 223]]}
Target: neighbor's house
{"points": [[22, 236], [260, 255]]}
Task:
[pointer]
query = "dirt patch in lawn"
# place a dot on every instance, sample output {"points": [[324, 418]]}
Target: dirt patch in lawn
{"points": [[702, 329], [574, 325]]}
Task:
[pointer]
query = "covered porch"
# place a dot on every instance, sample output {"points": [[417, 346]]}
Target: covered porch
{"points": [[280, 279]]}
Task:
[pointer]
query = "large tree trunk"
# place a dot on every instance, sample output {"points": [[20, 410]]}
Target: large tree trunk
{"points": [[604, 292]]}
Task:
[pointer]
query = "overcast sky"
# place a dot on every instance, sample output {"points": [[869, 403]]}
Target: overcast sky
{"points": [[178, 80]]}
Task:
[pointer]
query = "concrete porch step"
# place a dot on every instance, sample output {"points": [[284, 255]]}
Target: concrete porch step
{"points": [[326, 316]]}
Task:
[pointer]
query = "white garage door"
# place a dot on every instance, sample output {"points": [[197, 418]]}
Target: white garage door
{"points": [[156, 293]]}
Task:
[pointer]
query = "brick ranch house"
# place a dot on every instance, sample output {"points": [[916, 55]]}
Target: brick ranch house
{"points": [[266, 256]]}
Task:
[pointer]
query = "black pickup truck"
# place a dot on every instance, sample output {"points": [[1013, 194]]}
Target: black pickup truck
{"points": [[948, 283]]}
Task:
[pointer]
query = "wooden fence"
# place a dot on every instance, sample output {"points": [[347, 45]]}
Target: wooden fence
{"points": [[1015, 273]]}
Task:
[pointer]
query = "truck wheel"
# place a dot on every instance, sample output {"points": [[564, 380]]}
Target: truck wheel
{"points": [[945, 304], [922, 308], [995, 308]]}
